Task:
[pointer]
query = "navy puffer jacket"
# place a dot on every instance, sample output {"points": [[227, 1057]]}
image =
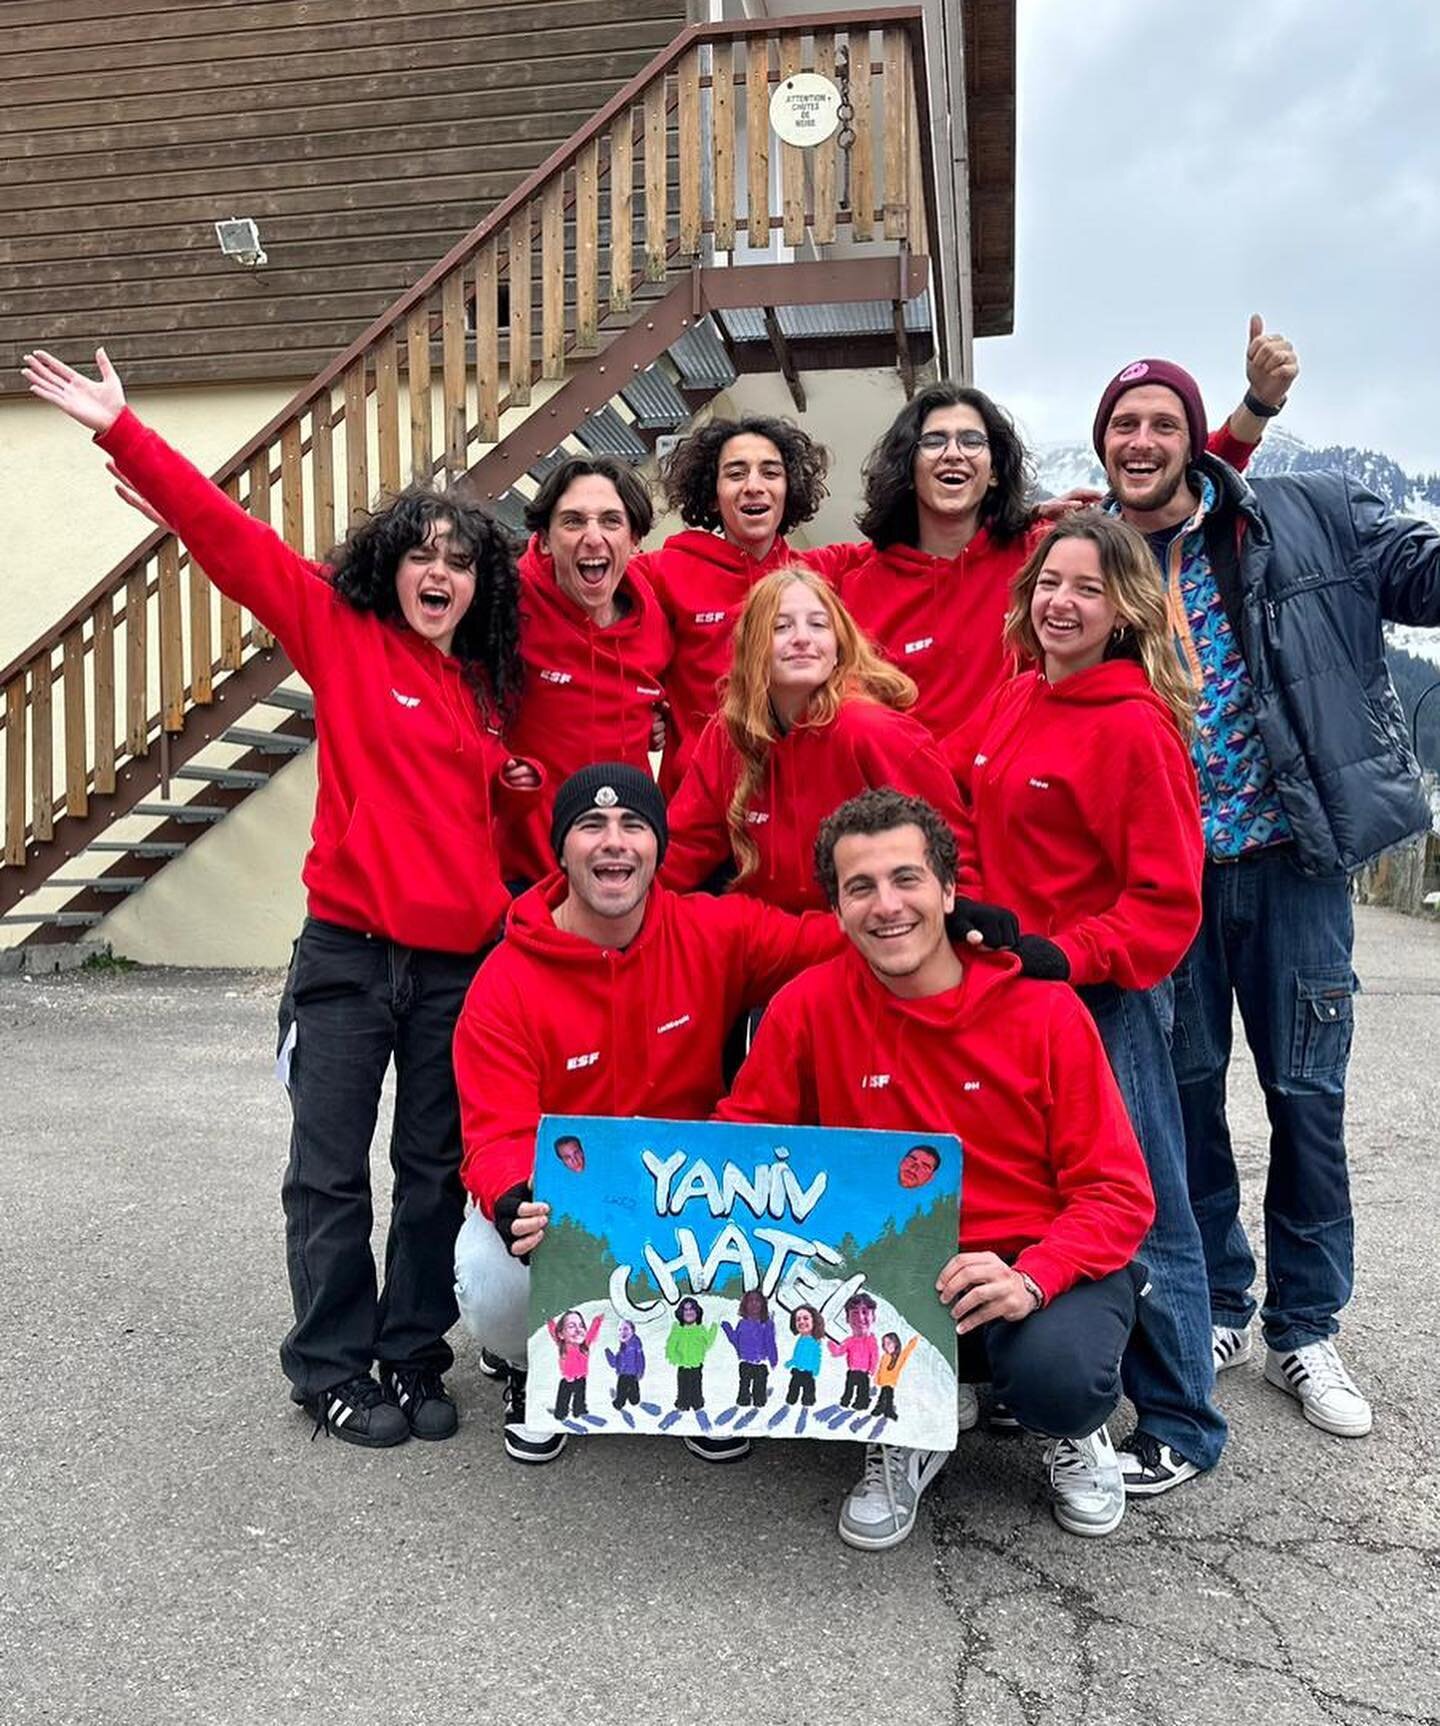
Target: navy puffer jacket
{"points": [[1308, 566]]}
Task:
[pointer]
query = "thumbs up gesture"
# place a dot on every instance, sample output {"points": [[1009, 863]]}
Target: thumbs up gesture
{"points": [[1271, 364]]}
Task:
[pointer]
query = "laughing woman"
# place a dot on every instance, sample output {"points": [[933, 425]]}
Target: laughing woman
{"points": [[810, 718], [1081, 814], [409, 640]]}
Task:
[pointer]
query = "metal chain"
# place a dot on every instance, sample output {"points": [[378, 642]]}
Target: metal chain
{"points": [[845, 113]]}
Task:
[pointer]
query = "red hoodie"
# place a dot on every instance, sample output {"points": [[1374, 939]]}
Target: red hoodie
{"points": [[812, 770], [942, 619], [590, 694], [554, 1024], [402, 842], [1082, 815], [1052, 1174], [701, 581]]}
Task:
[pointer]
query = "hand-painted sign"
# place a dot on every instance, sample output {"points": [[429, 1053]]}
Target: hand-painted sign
{"points": [[704, 1278]]}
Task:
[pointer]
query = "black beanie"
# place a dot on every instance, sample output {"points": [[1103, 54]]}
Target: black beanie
{"points": [[609, 785]]}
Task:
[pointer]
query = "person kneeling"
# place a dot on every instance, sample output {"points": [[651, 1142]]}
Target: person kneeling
{"points": [[905, 1030]]}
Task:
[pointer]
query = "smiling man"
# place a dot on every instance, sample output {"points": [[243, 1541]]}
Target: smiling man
{"points": [[609, 995], [907, 1031], [1278, 591], [595, 644]]}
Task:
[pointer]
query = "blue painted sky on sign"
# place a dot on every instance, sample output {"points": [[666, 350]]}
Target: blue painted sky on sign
{"points": [[861, 1192]]}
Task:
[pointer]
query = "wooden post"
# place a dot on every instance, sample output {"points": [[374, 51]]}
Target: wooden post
{"points": [[587, 248], [897, 144], [757, 124], [552, 278], [15, 772], [417, 361], [77, 768], [232, 629], [357, 447], [622, 209], [258, 505], [202, 672], [655, 203], [42, 744], [172, 637], [452, 348], [822, 222], [520, 224], [387, 416], [322, 475], [722, 128], [102, 651], [487, 341], [690, 145], [137, 665], [862, 151], [792, 159]]}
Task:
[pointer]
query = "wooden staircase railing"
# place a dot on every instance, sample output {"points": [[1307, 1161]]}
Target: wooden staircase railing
{"points": [[153, 663]]}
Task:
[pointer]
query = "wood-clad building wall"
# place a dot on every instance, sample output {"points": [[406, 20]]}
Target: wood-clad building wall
{"points": [[363, 136]]}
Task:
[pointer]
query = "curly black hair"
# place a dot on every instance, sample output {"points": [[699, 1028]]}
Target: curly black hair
{"points": [[881, 810], [889, 515], [634, 493], [690, 474], [487, 642]]}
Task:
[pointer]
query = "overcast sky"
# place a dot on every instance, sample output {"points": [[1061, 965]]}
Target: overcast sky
{"points": [[1180, 167]]}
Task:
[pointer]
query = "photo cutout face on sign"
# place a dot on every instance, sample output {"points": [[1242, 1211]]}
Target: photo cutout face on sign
{"points": [[704, 1278]]}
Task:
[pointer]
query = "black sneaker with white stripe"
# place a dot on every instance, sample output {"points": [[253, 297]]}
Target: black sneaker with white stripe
{"points": [[491, 1365], [420, 1394], [1149, 1467], [359, 1412], [523, 1443]]}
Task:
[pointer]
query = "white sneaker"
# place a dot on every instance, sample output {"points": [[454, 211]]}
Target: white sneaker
{"points": [[1087, 1486], [1231, 1347], [967, 1408], [881, 1509], [1318, 1381]]}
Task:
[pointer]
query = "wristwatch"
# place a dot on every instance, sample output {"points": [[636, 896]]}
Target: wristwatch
{"points": [[1262, 410]]}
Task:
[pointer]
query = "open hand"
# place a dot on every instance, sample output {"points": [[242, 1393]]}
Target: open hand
{"points": [[128, 494], [1078, 497], [1271, 364], [94, 405]]}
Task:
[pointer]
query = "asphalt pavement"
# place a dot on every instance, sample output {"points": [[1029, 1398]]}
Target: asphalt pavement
{"points": [[176, 1548]]}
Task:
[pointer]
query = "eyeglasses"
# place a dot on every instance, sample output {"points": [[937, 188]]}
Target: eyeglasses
{"points": [[937, 442]]}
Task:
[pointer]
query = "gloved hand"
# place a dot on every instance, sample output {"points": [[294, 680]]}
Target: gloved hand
{"points": [[995, 926], [1043, 959], [507, 1209]]}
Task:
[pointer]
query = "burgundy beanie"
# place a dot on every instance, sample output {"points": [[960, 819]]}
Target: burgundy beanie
{"points": [[1164, 372]]}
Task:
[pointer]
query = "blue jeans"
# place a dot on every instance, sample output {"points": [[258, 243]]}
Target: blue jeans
{"points": [[1278, 942], [1168, 1367]]}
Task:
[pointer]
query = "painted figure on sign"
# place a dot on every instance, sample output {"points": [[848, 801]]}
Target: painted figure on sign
{"points": [[887, 1373], [628, 1362], [690, 1340], [860, 1349], [573, 1341], [753, 1339], [807, 1325]]}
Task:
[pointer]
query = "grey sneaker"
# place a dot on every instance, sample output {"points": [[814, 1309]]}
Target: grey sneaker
{"points": [[880, 1511], [1088, 1491], [1231, 1347], [1318, 1381]]}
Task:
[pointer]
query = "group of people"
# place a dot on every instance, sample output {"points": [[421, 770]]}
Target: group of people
{"points": [[995, 813]]}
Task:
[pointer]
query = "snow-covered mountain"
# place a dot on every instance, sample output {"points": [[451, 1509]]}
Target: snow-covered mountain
{"points": [[1060, 467]]}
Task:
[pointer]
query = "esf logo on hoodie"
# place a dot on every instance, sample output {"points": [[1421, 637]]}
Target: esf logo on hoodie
{"points": [[920, 645], [556, 677], [709, 617]]}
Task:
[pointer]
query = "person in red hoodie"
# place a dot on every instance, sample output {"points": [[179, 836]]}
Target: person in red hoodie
{"points": [[1081, 813], [739, 485], [811, 717], [595, 642], [948, 517], [907, 1032], [409, 642], [610, 995]]}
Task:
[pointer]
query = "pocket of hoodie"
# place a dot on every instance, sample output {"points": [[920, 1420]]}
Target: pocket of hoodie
{"points": [[424, 878]]}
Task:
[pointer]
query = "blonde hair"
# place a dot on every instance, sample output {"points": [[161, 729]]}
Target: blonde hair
{"points": [[1133, 585], [745, 708]]}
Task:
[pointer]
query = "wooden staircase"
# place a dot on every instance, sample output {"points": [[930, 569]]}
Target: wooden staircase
{"points": [[598, 306]]}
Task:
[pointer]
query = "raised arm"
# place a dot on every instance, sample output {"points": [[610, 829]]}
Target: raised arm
{"points": [[246, 559], [1271, 367]]}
